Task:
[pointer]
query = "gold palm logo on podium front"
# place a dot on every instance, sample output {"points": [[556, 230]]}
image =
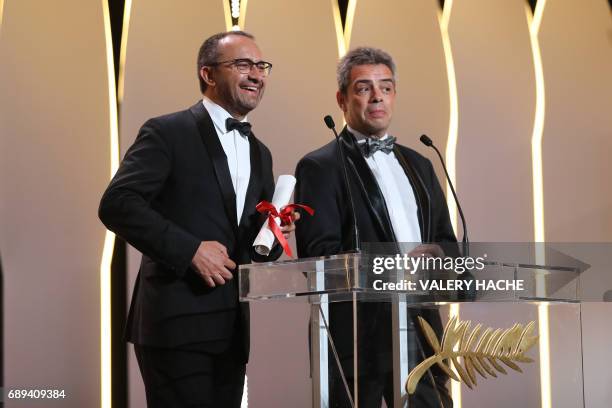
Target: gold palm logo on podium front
{"points": [[469, 352]]}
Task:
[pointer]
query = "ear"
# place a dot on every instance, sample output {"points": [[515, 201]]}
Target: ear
{"points": [[207, 76], [341, 101]]}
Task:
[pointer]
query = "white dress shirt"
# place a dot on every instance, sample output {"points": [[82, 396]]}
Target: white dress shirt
{"points": [[237, 151], [397, 192]]}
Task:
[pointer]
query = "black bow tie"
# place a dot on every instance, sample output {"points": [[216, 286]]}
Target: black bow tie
{"points": [[371, 145], [243, 127]]}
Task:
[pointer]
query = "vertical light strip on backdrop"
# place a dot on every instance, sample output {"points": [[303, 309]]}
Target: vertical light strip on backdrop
{"points": [[453, 124], [348, 24], [451, 148], [109, 240], [534, 22], [339, 29], [228, 12], [1, 10], [243, 11], [123, 53]]}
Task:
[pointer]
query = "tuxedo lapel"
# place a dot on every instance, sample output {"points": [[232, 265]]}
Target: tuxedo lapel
{"points": [[367, 185], [218, 159], [253, 193]]}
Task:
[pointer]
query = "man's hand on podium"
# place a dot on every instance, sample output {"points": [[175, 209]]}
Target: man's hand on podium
{"points": [[428, 251]]}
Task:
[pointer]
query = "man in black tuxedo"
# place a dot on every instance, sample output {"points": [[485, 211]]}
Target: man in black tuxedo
{"points": [[397, 199], [185, 196]]}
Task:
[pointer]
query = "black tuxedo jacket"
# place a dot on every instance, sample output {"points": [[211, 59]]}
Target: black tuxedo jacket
{"points": [[172, 191], [320, 184]]}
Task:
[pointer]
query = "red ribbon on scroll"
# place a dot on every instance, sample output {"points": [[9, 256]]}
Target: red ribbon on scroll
{"points": [[267, 208]]}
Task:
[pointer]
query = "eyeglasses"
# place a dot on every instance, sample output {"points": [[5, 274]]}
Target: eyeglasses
{"points": [[245, 65]]}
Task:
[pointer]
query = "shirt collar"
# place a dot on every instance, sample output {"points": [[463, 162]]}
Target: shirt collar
{"points": [[360, 136], [218, 115]]}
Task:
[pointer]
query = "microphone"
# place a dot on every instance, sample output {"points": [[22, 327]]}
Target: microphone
{"points": [[429, 143], [329, 122]]}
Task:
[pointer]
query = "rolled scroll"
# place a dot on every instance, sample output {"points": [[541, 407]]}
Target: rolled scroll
{"points": [[282, 194]]}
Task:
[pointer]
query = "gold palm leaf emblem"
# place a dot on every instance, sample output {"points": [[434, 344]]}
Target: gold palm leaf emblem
{"points": [[469, 352]]}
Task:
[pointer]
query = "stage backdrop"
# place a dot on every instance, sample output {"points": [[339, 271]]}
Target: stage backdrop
{"points": [[55, 153], [54, 165]]}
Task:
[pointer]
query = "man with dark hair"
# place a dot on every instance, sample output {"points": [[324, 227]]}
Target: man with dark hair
{"points": [[209, 53], [397, 199], [185, 196]]}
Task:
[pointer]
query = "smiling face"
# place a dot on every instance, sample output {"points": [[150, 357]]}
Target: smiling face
{"points": [[236, 92], [369, 99]]}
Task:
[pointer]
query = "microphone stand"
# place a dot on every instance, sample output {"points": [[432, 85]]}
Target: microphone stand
{"points": [[465, 242]]}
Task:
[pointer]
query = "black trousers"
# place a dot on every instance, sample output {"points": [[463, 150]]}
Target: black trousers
{"points": [[375, 358], [374, 389], [177, 378]]}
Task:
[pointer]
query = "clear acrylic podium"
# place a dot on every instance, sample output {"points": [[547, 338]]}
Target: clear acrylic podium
{"points": [[548, 278]]}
